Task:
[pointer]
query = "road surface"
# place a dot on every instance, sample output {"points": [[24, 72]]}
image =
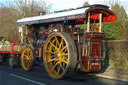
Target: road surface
{"points": [[38, 76]]}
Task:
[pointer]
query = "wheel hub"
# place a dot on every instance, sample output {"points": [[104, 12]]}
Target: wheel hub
{"points": [[56, 55]]}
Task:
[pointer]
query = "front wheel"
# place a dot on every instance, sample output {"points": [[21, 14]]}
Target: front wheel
{"points": [[60, 55], [27, 59]]}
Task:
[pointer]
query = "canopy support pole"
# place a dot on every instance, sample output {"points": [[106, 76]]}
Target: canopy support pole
{"points": [[100, 22], [88, 23]]}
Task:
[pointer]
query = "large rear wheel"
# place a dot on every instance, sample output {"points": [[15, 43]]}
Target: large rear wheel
{"points": [[27, 59], [60, 55]]}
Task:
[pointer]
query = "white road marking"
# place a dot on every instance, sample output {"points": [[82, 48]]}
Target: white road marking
{"points": [[28, 79]]}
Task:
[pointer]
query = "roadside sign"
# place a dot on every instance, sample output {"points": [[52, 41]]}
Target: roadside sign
{"points": [[20, 29]]}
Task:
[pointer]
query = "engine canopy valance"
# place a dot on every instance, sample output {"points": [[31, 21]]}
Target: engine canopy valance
{"points": [[74, 14]]}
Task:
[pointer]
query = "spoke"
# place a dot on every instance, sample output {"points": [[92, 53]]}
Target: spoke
{"points": [[57, 42], [64, 54], [27, 52], [30, 56], [28, 64], [63, 60], [65, 51], [53, 41], [58, 71], [61, 44], [64, 48], [30, 59], [53, 45], [62, 67], [25, 56], [52, 60], [54, 67], [24, 61], [53, 48], [50, 52]]}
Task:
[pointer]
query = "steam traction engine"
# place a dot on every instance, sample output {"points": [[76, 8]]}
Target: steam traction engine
{"points": [[59, 40]]}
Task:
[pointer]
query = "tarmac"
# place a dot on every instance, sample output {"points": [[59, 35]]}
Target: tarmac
{"points": [[120, 75]]}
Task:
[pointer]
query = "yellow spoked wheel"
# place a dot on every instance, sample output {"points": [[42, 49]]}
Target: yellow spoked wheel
{"points": [[27, 59], [60, 55]]}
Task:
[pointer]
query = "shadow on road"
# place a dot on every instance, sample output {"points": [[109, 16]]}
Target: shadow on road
{"points": [[39, 74]]}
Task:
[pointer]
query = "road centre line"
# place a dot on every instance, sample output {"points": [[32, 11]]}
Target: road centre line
{"points": [[28, 79]]}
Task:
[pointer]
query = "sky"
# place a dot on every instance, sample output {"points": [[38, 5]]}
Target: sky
{"points": [[66, 4]]}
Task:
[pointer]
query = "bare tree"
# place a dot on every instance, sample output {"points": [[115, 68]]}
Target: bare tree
{"points": [[29, 8], [7, 23], [10, 13]]}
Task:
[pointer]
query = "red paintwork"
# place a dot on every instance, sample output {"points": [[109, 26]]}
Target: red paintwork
{"points": [[11, 52], [41, 51], [94, 68], [88, 66], [94, 52], [109, 18], [79, 20], [36, 52], [14, 42], [12, 48], [100, 36], [85, 63], [94, 15], [94, 26], [108, 15], [88, 36], [45, 33], [92, 35], [8, 52]]}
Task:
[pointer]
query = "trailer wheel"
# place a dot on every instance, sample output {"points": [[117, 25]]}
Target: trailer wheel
{"points": [[1, 58], [60, 55], [27, 59], [11, 62]]}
